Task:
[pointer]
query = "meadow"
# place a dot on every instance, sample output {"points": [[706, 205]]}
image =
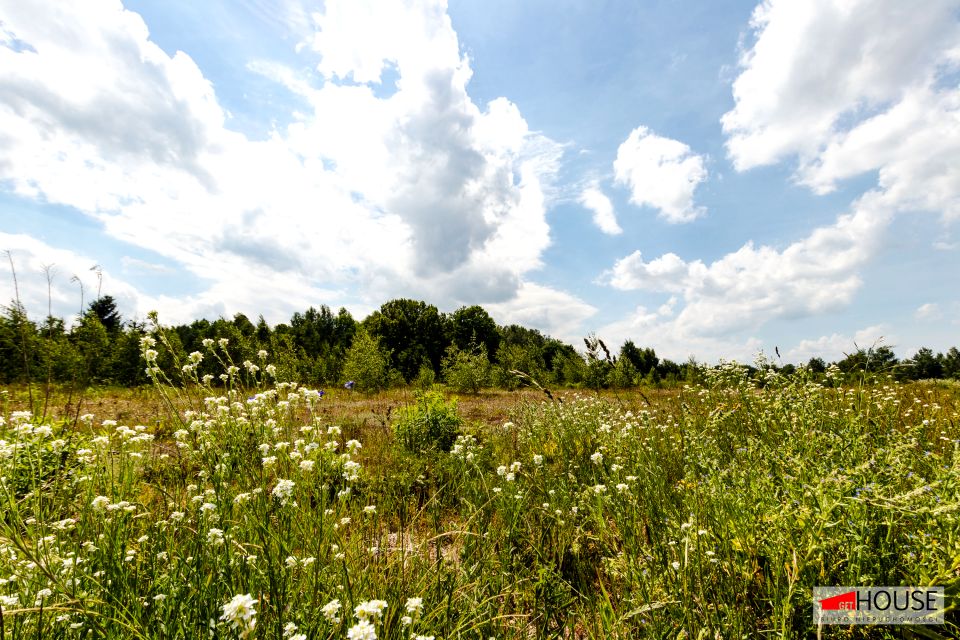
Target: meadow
{"points": [[240, 506]]}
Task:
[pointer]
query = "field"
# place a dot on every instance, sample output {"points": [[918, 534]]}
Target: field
{"points": [[259, 509]]}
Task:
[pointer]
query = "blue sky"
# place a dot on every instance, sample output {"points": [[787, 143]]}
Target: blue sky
{"points": [[707, 178]]}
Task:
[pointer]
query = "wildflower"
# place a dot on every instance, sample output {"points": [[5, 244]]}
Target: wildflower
{"points": [[240, 613], [150, 355], [599, 489], [349, 384], [538, 459], [306, 465], [262, 354], [208, 506], [100, 503], [215, 537], [354, 445], [596, 458], [283, 491], [370, 609], [207, 342], [370, 509], [675, 565], [414, 606], [351, 470], [363, 630]]}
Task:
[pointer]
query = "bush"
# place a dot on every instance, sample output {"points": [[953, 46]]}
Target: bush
{"points": [[466, 371], [430, 424], [366, 363]]}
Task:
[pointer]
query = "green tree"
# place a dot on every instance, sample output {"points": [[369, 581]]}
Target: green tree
{"points": [[643, 360], [93, 343], [817, 366], [19, 345], [105, 308], [873, 360], [623, 374], [924, 365], [951, 363], [466, 370], [471, 326], [366, 363], [413, 332]]}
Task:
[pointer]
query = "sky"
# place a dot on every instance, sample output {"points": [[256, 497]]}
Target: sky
{"points": [[710, 178]]}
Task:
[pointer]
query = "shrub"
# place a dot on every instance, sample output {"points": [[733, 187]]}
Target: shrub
{"points": [[366, 363], [430, 424], [466, 371]]}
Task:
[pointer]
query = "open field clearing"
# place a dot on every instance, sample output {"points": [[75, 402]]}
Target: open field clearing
{"points": [[269, 510]]}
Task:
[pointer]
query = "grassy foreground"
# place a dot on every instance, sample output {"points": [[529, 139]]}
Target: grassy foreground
{"points": [[267, 510]]}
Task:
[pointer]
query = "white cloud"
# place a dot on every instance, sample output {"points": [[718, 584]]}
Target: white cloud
{"points": [[845, 88], [928, 311], [69, 271], [852, 87], [603, 215], [412, 189], [144, 266], [753, 285], [661, 173], [558, 313], [836, 346], [674, 341]]}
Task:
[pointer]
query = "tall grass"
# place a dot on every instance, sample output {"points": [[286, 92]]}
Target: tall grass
{"points": [[244, 513]]}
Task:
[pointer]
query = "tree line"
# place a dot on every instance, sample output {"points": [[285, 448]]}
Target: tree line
{"points": [[403, 342]]}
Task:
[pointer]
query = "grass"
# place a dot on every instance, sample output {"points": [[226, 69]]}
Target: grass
{"points": [[265, 510]]}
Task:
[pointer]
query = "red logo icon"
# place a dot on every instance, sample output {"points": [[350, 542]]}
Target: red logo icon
{"points": [[842, 602]]}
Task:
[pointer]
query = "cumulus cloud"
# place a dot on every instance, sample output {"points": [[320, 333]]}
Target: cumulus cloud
{"points": [[559, 313], [72, 283], [661, 173], [852, 87], [753, 285], [603, 214], [655, 328], [844, 89], [928, 311], [836, 346], [385, 190]]}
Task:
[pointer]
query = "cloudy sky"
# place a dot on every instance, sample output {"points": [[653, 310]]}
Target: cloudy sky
{"points": [[707, 177]]}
